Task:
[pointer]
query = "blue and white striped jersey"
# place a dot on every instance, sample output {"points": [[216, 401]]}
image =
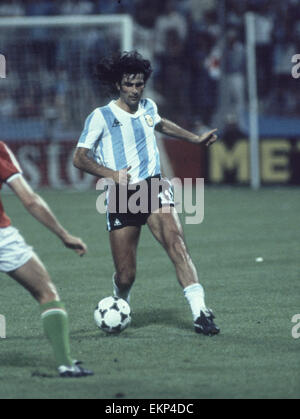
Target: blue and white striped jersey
{"points": [[118, 139]]}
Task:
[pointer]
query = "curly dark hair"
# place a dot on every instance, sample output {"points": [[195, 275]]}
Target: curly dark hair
{"points": [[111, 70]]}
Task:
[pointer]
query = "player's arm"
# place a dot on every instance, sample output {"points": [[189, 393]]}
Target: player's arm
{"points": [[39, 209], [82, 161], [92, 132], [173, 130]]}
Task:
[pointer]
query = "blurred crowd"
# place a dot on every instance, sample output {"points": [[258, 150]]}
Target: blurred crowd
{"points": [[196, 47]]}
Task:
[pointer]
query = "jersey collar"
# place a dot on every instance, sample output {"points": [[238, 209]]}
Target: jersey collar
{"points": [[121, 111]]}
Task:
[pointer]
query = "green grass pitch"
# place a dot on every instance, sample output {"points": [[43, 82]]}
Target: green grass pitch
{"points": [[159, 355]]}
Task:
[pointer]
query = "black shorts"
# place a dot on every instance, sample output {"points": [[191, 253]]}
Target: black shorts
{"points": [[131, 205]]}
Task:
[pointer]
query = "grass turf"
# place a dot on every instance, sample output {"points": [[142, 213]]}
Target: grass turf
{"points": [[159, 355]]}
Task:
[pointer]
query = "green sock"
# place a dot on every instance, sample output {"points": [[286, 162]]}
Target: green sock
{"points": [[56, 328]]}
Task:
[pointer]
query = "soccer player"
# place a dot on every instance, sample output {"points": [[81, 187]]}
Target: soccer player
{"points": [[118, 142], [21, 263]]}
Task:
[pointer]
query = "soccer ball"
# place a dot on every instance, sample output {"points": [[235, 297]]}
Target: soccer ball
{"points": [[112, 314]]}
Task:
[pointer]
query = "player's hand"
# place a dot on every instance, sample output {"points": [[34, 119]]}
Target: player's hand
{"points": [[122, 176], [75, 243], [208, 138]]}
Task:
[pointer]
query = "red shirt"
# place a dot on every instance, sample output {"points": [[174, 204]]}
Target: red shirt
{"points": [[8, 167]]}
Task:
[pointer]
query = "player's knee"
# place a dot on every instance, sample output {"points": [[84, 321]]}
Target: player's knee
{"points": [[46, 294]]}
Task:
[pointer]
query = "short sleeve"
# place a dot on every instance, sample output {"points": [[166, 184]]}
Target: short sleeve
{"points": [[93, 129], [9, 165], [156, 116]]}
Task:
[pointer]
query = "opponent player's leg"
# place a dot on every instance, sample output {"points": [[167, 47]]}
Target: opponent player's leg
{"points": [[34, 277], [167, 229], [123, 244]]}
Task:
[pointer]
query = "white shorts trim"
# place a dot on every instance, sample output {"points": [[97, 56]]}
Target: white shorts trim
{"points": [[12, 177], [14, 251]]}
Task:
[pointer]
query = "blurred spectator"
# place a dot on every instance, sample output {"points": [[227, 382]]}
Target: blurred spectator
{"points": [[234, 66], [41, 7], [28, 107], [212, 64], [107, 7], [116, 6], [146, 13], [170, 80], [170, 19], [263, 31], [76, 7], [11, 8], [50, 115], [41, 44], [197, 8], [144, 35], [8, 104], [210, 23], [235, 13], [202, 87]]}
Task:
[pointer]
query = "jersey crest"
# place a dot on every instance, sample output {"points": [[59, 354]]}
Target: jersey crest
{"points": [[149, 120]]}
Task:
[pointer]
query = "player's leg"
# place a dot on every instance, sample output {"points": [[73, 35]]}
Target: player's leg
{"points": [[34, 277], [167, 229], [123, 244]]}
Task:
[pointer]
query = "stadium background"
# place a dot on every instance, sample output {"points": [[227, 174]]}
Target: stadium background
{"points": [[198, 55], [48, 92]]}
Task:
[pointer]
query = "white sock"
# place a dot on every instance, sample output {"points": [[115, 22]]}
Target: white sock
{"points": [[121, 294], [195, 295]]}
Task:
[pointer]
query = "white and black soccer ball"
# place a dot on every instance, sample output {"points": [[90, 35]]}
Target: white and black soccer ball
{"points": [[112, 314]]}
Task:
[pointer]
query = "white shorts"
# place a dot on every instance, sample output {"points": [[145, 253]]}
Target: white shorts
{"points": [[14, 252]]}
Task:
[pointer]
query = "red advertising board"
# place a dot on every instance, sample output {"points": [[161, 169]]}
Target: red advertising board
{"points": [[50, 164]]}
